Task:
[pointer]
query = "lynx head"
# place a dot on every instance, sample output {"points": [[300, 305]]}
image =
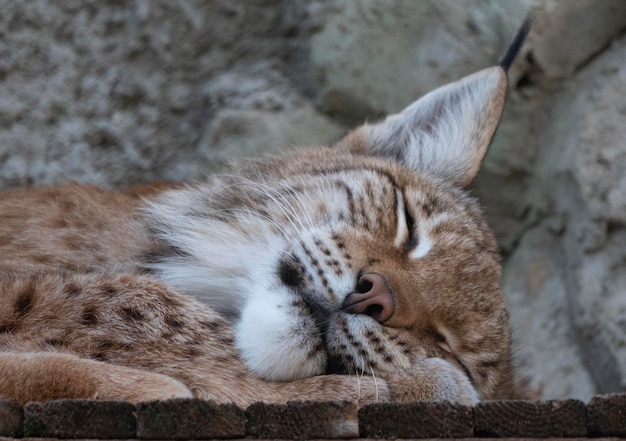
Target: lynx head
{"points": [[365, 257]]}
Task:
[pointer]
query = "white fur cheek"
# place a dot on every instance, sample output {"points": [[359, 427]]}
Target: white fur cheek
{"points": [[274, 342]]}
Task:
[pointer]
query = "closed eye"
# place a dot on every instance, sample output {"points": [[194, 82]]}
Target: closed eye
{"points": [[411, 240], [405, 235]]}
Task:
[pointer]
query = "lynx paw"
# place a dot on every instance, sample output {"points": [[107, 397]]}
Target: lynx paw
{"points": [[135, 386], [433, 379]]}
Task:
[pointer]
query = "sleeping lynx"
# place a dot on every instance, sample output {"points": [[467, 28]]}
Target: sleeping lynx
{"points": [[361, 272]]}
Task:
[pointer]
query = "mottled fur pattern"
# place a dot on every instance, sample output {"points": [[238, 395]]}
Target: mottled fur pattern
{"points": [[362, 271]]}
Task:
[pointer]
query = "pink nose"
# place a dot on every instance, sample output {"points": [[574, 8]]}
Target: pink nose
{"points": [[372, 297]]}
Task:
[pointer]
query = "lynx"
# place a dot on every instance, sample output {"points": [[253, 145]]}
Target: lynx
{"points": [[361, 271]]}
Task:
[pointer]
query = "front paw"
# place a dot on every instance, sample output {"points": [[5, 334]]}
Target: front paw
{"points": [[433, 379]]}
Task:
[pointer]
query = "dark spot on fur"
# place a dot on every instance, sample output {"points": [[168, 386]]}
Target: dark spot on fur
{"points": [[298, 303], [192, 352], [290, 271], [169, 300], [225, 339], [133, 314], [60, 222], [333, 263], [490, 364], [173, 322], [100, 354], [7, 327], [314, 351], [73, 243], [54, 342], [167, 335], [109, 290], [66, 205], [224, 360], [43, 259], [151, 257], [73, 290], [213, 326], [90, 317], [24, 302]]}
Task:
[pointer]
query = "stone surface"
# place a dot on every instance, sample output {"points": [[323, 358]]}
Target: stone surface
{"points": [[354, 80], [303, 420], [532, 419], [11, 418], [80, 419], [537, 297], [116, 93], [189, 419], [124, 92], [417, 420], [558, 27]]}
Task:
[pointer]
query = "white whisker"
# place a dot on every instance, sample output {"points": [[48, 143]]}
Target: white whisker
{"points": [[375, 382]]}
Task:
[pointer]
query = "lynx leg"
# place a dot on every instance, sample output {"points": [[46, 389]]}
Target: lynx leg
{"points": [[41, 376], [432, 379]]}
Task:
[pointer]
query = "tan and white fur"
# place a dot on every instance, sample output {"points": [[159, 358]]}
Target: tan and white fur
{"points": [[361, 271]]}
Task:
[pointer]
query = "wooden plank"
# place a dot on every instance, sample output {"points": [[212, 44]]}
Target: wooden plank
{"points": [[303, 420], [606, 415], [416, 420], [535, 419], [80, 419], [189, 419]]}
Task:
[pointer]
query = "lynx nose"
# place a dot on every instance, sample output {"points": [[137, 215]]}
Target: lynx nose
{"points": [[372, 297]]}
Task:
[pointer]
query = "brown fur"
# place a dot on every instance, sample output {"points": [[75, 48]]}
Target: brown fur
{"points": [[84, 315]]}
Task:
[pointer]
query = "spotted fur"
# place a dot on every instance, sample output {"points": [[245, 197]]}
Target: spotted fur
{"points": [[249, 286]]}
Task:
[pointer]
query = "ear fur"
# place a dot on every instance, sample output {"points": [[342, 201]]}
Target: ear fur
{"points": [[447, 132]]}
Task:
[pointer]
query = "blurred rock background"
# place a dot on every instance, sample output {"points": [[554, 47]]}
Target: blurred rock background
{"points": [[120, 92]]}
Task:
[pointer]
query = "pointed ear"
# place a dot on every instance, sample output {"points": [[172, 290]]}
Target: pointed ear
{"points": [[446, 133]]}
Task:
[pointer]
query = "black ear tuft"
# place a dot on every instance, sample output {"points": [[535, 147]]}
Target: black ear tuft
{"points": [[515, 45]]}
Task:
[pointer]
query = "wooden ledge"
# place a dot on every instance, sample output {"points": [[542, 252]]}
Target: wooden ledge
{"points": [[604, 416]]}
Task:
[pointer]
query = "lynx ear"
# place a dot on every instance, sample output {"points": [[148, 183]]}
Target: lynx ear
{"points": [[446, 133]]}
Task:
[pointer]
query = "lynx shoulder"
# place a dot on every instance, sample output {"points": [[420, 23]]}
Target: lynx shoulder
{"points": [[360, 271]]}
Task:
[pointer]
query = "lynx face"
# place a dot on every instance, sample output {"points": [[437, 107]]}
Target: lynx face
{"points": [[367, 258]]}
